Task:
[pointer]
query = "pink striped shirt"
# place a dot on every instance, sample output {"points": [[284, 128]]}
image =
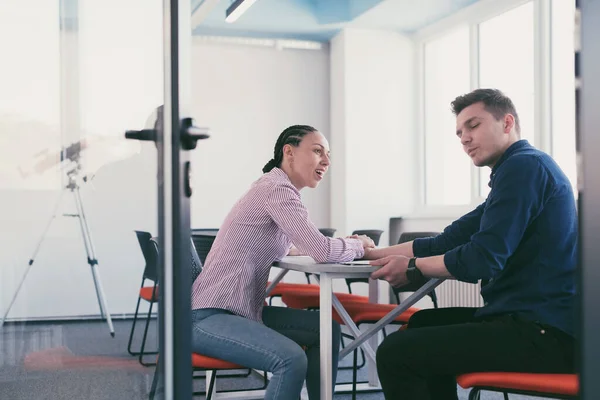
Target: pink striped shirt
{"points": [[259, 230]]}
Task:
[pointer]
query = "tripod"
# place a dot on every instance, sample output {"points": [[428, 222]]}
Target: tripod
{"points": [[73, 187]]}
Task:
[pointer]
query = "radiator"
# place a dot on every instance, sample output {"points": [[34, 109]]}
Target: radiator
{"points": [[453, 293]]}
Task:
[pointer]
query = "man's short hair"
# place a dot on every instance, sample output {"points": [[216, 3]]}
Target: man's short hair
{"points": [[495, 102]]}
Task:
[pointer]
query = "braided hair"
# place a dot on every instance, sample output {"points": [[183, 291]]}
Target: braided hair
{"points": [[293, 136]]}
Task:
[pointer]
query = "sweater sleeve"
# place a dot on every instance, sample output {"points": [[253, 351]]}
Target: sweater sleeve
{"points": [[521, 186], [454, 235], [287, 210]]}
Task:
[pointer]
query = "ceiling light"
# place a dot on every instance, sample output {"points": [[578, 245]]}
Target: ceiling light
{"points": [[236, 9]]}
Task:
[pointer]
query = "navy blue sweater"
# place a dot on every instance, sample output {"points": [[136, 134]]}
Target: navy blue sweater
{"points": [[522, 240]]}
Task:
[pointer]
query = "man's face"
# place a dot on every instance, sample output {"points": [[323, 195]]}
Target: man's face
{"points": [[483, 138]]}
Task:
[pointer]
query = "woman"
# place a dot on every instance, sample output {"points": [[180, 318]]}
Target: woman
{"points": [[229, 318]]}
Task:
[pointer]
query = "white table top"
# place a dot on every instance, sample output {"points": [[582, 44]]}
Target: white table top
{"points": [[307, 264]]}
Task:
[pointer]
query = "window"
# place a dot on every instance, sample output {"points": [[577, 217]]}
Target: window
{"points": [[511, 49], [29, 102], [563, 88], [446, 74], [121, 73], [506, 62]]}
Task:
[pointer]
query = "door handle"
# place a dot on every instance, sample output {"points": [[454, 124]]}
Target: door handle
{"points": [[190, 134], [144, 134]]}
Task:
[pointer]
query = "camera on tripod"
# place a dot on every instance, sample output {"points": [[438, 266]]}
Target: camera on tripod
{"points": [[71, 155]]}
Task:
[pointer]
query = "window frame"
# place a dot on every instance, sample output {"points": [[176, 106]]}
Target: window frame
{"points": [[473, 16]]}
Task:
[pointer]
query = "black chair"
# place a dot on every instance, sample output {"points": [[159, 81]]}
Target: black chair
{"points": [[375, 235], [205, 231], [202, 363], [150, 293], [329, 232], [146, 293], [203, 241], [408, 237], [405, 237]]}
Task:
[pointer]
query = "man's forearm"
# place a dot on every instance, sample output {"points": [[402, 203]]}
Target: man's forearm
{"points": [[402, 249], [433, 267]]}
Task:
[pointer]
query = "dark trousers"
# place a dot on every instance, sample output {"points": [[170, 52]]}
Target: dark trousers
{"points": [[422, 361]]}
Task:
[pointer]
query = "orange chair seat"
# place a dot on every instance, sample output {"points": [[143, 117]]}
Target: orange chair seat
{"points": [[304, 299], [358, 307], [367, 312], [146, 293], [284, 287], [559, 384], [200, 361]]}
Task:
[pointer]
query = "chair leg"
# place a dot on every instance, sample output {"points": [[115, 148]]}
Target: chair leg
{"points": [[343, 346], [154, 384], [354, 373], [362, 357], [141, 357], [434, 299], [211, 385], [135, 316], [474, 394], [505, 396]]}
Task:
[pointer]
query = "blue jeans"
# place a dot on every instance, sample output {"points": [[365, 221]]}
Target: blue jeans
{"points": [[277, 346]]}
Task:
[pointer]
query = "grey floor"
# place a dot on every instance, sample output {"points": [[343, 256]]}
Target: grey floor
{"points": [[79, 360]]}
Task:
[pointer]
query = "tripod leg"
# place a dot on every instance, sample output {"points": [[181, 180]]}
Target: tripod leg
{"points": [[91, 254], [32, 259]]}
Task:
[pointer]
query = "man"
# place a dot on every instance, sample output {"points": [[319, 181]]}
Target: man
{"points": [[521, 242]]}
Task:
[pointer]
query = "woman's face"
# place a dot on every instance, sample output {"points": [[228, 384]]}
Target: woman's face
{"points": [[307, 163]]}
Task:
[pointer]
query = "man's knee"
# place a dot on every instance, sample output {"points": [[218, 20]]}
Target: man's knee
{"points": [[441, 316], [423, 318], [383, 355], [391, 348]]}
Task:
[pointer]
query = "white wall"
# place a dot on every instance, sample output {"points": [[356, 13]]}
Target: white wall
{"points": [[373, 129], [373, 134], [247, 95]]}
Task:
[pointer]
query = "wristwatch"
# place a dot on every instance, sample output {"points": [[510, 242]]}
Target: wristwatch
{"points": [[414, 274]]}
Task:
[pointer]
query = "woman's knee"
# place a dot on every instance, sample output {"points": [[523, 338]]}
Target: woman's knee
{"points": [[295, 362], [299, 362]]}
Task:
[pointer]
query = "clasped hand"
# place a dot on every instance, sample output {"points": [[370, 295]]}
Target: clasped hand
{"points": [[366, 241], [393, 270]]}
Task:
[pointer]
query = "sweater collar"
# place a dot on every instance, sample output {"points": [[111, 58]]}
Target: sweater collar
{"points": [[513, 148]]}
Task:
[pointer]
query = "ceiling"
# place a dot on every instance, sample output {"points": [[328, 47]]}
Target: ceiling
{"points": [[320, 20]]}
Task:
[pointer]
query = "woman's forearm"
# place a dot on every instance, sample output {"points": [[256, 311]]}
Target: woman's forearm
{"points": [[402, 249]]}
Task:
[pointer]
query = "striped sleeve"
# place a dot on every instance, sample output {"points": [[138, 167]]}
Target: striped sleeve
{"points": [[287, 210]]}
